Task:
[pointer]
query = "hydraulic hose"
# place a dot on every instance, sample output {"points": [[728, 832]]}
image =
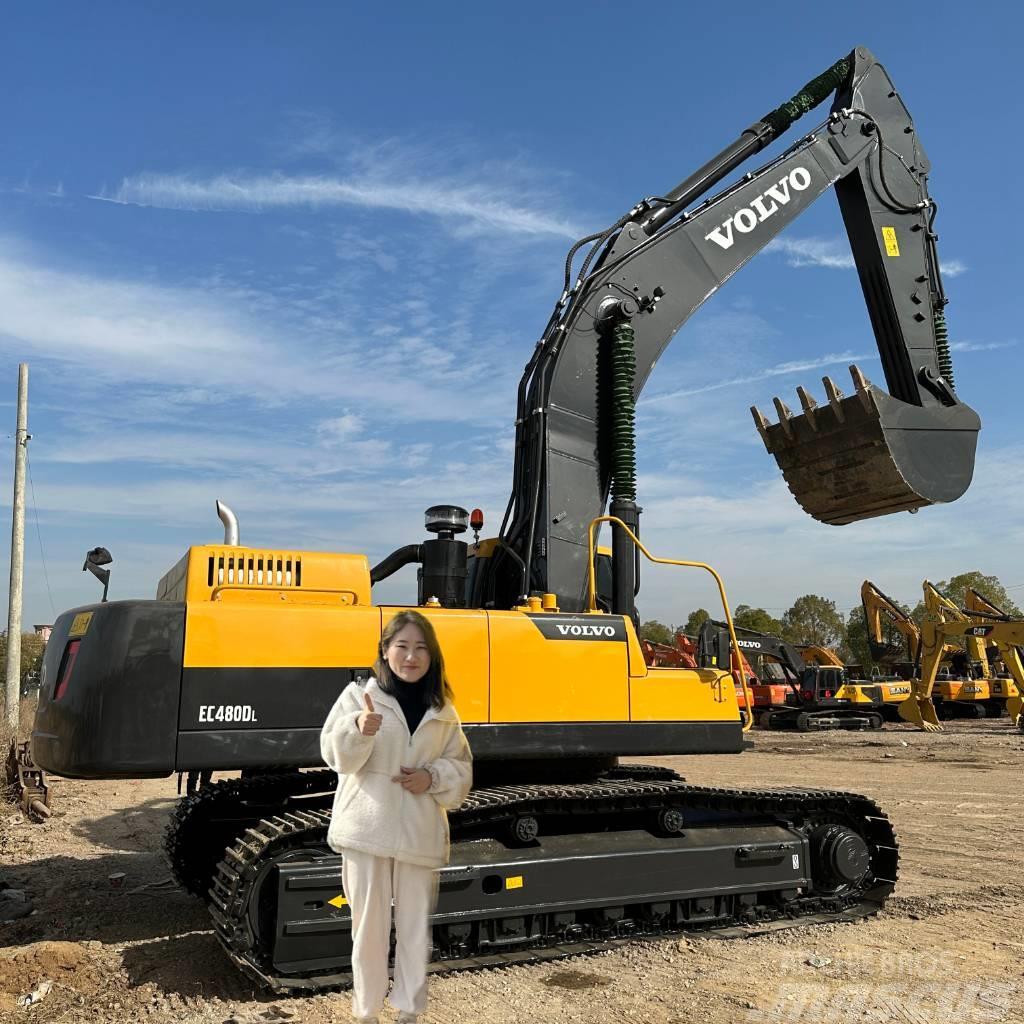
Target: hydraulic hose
{"points": [[393, 562]]}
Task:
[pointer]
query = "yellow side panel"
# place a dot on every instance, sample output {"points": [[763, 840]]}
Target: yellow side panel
{"points": [[538, 680], [221, 634], [683, 695], [462, 634]]}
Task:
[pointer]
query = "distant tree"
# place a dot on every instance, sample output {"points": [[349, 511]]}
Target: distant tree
{"points": [[657, 632], [857, 650], [814, 620], [695, 620], [955, 588], [757, 619], [32, 647]]}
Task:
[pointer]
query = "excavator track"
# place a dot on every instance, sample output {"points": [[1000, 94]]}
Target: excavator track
{"points": [[285, 857]]}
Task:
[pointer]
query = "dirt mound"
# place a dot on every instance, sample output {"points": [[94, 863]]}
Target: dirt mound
{"points": [[69, 965]]}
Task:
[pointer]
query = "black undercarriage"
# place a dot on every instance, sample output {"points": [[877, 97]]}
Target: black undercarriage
{"points": [[538, 871]]}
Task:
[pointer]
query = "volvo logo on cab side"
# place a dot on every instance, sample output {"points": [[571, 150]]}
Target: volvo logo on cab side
{"points": [[746, 218], [580, 627]]}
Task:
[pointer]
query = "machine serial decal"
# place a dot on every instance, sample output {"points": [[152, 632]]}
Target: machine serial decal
{"points": [[747, 218], [80, 624], [580, 627], [227, 713]]}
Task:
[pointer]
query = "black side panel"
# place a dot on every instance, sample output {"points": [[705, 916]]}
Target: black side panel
{"points": [[256, 717], [117, 717], [615, 739], [230, 748]]}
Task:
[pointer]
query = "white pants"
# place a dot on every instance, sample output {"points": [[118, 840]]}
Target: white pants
{"points": [[370, 884]]}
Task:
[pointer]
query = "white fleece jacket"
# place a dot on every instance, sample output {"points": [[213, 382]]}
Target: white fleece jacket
{"points": [[375, 815]]}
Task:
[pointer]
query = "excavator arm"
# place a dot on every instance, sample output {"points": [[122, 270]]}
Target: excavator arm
{"points": [[860, 456], [945, 622], [878, 606], [982, 610]]}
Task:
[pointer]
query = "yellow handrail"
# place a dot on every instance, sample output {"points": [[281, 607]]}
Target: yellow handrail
{"points": [[734, 658]]}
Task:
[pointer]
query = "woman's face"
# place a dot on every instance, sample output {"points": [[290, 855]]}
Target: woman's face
{"points": [[407, 655]]}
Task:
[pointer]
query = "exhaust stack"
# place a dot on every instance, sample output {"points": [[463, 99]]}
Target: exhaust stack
{"points": [[230, 521], [870, 454]]}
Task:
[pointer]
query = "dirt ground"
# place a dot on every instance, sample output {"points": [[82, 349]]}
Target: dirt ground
{"points": [[948, 948]]}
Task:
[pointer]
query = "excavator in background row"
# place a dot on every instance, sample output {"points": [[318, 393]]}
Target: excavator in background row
{"points": [[883, 695], [960, 689], [945, 622], [560, 848], [1001, 683], [809, 696]]}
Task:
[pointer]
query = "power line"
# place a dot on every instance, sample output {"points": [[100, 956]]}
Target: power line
{"points": [[39, 534]]}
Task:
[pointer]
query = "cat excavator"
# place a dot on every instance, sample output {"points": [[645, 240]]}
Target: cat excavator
{"points": [[560, 848], [960, 690], [1001, 683], [943, 623]]}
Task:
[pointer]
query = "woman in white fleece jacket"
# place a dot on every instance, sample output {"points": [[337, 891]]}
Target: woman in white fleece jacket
{"points": [[402, 761]]}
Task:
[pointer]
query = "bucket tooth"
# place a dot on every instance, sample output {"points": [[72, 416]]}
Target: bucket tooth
{"points": [[784, 417], [862, 386], [835, 398], [762, 424], [809, 406]]}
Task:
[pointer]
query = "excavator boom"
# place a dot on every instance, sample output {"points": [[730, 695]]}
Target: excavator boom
{"points": [[865, 455]]}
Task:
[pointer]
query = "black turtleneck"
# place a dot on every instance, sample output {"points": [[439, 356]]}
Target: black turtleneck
{"points": [[410, 697]]}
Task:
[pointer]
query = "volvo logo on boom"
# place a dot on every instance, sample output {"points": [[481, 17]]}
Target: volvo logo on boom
{"points": [[746, 218]]}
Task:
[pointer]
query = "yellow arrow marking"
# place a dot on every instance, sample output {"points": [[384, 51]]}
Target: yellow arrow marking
{"points": [[339, 901]]}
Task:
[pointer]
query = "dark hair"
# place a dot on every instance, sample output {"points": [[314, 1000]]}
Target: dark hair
{"points": [[436, 688]]}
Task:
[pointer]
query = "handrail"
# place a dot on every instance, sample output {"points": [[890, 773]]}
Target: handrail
{"points": [[592, 599], [280, 588]]}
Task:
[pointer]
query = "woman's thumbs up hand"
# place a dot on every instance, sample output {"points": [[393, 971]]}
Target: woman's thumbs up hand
{"points": [[369, 720]]}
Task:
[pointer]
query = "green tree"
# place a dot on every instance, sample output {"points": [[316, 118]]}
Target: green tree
{"points": [[696, 619], [857, 650], [657, 632], [757, 619], [814, 620], [32, 647]]}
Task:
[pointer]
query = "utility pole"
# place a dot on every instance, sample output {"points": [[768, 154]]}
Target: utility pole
{"points": [[21, 439]]}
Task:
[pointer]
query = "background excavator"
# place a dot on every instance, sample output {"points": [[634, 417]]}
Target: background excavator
{"points": [[960, 688], [882, 695], [812, 695], [559, 848], [945, 622], [1000, 679]]}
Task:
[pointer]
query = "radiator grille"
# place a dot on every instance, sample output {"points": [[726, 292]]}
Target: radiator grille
{"points": [[255, 569]]}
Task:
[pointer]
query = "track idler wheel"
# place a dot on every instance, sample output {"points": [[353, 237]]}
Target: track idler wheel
{"points": [[841, 857]]}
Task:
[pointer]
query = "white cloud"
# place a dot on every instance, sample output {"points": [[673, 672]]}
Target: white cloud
{"points": [[834, 254], [340, 428], [480, 205], [765, 373], [981, 346]]}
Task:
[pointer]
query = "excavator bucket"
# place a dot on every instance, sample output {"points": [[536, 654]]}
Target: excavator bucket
{"points": [[1015, 709], [870, 454], [920, 711]]}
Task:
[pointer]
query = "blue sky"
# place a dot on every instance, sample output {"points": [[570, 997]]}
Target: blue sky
{"points": [[296, 256]]}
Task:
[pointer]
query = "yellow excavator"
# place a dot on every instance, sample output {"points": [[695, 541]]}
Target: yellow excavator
{"points": [[1001, 681], [945, 622], [559, 848], [881, 695], [960, 689]]}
